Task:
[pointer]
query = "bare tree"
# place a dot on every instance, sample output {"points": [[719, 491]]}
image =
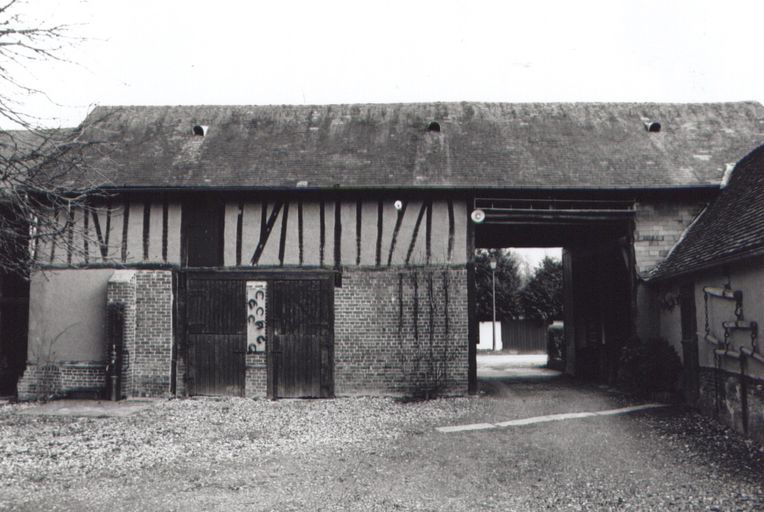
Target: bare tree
{"points": [[43, 178], [22, 45]]}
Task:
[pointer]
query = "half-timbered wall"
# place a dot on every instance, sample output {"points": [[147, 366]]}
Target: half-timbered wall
{"points": [[369, 239], [345, 233], [268, 231], [120, 232], [264, 233]]}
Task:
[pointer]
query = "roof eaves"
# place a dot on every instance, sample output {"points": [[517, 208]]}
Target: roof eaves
{"points": [[439, 187], [737, 257]]}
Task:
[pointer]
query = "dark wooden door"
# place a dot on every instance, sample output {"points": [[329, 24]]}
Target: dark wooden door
{"points": [[217, 335], [690, 370], [300, 320], [14, 319]]}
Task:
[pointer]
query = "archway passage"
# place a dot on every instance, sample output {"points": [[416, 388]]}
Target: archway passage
{"points": [[598, 269]]}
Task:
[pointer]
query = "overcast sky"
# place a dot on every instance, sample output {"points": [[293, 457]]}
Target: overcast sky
{"points": [[226, 52]]}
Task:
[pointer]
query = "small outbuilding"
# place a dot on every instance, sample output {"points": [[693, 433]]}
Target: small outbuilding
{"points": [[710, 298]]}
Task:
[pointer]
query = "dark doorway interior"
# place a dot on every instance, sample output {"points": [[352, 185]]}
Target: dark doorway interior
{"points": [[203, 230], [14, 317], [601, 298]]}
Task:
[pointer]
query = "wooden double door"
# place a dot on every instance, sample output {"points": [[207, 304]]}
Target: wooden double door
{"points": [[299, 335]]}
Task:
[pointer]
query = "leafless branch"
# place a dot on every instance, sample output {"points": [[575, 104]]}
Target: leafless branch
{"points": [[43, 173]]}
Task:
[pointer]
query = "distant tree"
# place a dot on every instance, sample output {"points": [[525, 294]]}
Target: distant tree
{"points": [[541, 298], [507, 285]]}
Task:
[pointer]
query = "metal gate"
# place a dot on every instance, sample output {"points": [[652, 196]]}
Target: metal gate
{"points": [[301, 345]]}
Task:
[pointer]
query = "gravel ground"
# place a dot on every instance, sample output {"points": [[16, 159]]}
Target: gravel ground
{"points": [[380, 454]]}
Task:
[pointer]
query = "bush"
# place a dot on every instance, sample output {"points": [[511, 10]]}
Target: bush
{"points": [[649, 368]]}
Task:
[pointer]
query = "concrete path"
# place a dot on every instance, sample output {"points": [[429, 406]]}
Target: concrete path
{"points": [[550, 417], [89, 408], [513, 366]]}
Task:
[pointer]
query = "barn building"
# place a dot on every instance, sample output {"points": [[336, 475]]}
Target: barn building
{"points": [[316, 251]]}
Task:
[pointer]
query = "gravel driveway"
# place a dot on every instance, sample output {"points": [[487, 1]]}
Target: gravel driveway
{"points": [[380, 454]]}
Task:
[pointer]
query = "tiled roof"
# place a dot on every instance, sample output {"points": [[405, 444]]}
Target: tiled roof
{"points": [[575, 145], [730, 229]]}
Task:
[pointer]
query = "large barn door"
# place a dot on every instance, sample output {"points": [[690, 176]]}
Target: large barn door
{"points": [[217, 335], [300, 320]]}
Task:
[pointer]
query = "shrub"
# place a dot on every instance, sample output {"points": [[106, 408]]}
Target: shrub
{"points": [[648, 368]]}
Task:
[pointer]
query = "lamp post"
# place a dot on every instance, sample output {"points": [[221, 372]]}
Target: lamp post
{"points": [[493, 298]]}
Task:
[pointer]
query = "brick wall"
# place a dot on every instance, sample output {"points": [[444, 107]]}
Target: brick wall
{"points": [[397, 331], [64, 378], [121, 290], [148, 336], [152, 356], [256, 378], [401, 331], [659, 227]]}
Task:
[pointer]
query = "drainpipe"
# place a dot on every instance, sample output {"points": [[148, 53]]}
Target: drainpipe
{"points": [[493, 298], [116, 323]]}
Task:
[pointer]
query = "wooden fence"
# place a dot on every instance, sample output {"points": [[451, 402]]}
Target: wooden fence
{"points": [[524, 336]]}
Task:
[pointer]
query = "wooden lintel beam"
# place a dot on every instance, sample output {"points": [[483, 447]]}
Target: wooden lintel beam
{"points": [[727, 353], [713, 340], [564, 211], [754, 355], [723, 293], [742, 325]]}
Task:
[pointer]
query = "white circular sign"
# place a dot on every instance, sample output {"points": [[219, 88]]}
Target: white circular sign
{"points": [[478, 216]]}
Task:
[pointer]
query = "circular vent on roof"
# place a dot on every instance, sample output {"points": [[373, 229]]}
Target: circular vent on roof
{"points": [[200, 130], [433, 127]]}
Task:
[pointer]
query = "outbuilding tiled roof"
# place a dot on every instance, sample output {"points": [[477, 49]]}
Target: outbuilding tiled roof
{"points": [[730, 229], [505, 145]]}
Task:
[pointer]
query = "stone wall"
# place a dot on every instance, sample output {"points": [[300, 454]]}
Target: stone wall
{"points": [[659, 226], [401, 331]]}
